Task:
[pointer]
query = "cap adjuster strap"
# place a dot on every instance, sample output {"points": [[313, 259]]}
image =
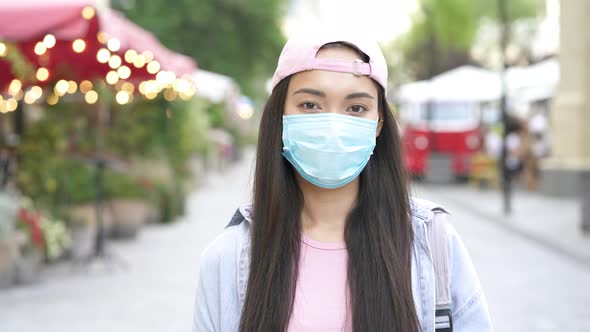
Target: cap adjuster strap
{"points": [[356, 67]]}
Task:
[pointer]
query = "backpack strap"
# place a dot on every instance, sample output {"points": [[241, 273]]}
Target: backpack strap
{"points": [[236, 219], [437, 237]]}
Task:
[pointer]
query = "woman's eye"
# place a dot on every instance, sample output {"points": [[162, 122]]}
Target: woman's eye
{"points": [[309, 106], [357, 109]]}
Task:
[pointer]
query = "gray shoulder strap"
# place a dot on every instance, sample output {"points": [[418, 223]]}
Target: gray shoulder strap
{"points": [[236, 219], [437, 237]]}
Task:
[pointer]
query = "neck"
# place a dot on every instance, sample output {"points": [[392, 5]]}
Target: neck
{"points": [[325, 210]]}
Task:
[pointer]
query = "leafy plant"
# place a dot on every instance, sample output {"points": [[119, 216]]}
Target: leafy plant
{"points": [[57, 237], [121, 185], [47, 173]]}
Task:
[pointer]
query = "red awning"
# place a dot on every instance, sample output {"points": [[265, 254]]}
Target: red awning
{"points": [[132, 36], [25, 23], [26, 20]]}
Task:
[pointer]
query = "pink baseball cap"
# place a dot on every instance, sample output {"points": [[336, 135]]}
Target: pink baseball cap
{"points": [[299, 54]]}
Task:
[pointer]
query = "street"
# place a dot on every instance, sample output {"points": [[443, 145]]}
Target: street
{"points": [[150, 285]]}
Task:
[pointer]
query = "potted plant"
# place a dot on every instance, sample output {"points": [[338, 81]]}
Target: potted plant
{"points": [[31, 244], [129, 203], [78, 192]]}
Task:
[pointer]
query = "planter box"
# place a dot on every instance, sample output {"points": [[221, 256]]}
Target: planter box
{"points": [[85, 215], [129, 215], [83, 241], [9, 206], [153, 215], [28, 266], [8, 257]]}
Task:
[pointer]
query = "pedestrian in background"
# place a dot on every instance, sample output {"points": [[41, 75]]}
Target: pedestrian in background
{"points": [[332, 241]]}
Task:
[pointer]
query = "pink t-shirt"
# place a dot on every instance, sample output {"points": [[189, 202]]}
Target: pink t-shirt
{"points": [[321, 291]]}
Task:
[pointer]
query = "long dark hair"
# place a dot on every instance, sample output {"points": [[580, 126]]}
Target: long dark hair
{"points": [[378, 233]]}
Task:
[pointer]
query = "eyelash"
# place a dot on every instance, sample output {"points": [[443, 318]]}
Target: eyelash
{"points": [[364, 109], [308, 103]]}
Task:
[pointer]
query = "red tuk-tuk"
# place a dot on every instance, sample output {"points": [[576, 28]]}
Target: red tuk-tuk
{"points": [[443, 130], [442, 120]]}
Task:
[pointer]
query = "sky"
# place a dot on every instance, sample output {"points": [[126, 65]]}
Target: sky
{"points": [[384, 19]]}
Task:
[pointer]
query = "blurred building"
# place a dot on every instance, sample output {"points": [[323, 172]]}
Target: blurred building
{"points": [[568, 170], [571, 108]]}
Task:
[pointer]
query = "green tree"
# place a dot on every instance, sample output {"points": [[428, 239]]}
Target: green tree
{"points": [[241, 39], [443, 32]]}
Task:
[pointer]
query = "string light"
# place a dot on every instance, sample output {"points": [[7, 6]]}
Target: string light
{"points": [[40, 48], [61, 87], [19, 95], [139, 61], [79, 45], [102, 37], [72, 87], [52, 99], [11, 104], [36, 92], [14, 87], [151, 86], [85, 86], [3, 49], [148, 55], [141, 87], [88, 12], [130, 56], [42, 74], [91, 97], [103, 55], [153, 67], [124, 72], [29, 98], [115, 61], [112, 77], [170, 95], [49, 41], [122, 97], [182, 85], [128, 87], [165, 78], [114, 44]]}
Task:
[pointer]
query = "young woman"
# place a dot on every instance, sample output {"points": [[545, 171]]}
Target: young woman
{"points": [[332, 241]]}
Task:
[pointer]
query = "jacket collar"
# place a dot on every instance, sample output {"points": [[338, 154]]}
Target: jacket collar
{"points": [[419, 208]]}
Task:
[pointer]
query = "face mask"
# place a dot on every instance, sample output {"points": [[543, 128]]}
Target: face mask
{"points": [[327, 149]]}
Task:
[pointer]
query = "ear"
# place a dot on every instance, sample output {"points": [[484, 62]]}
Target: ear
{"points": [[379, 127]]}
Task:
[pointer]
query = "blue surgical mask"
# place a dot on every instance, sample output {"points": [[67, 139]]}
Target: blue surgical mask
{"points": [[327, 149]]}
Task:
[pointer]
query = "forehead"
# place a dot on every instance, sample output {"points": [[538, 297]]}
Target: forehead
{"points": [[333, 83]]}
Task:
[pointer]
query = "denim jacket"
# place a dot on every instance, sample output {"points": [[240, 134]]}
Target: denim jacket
{"points": [[224, 267]]}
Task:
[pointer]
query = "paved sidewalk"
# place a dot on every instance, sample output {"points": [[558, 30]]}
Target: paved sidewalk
{"points": [[529, 285], [549, 221]]}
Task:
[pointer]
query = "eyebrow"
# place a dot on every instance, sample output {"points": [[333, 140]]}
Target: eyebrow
{"points": [[323, 95], [359, 95], [311, 92]]}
